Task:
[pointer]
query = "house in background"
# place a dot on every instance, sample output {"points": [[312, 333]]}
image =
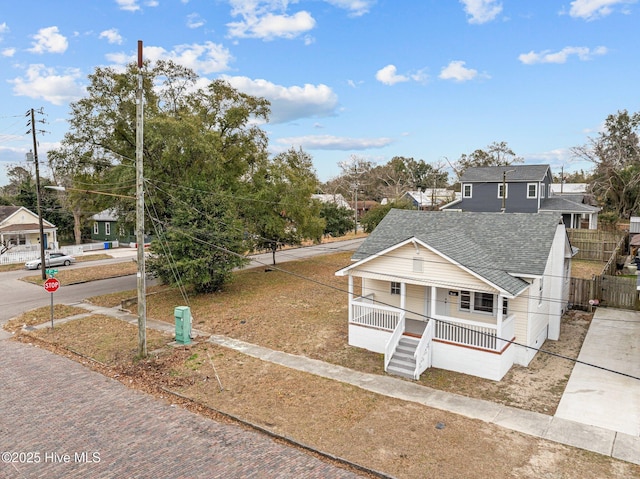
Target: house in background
{"points": [[338, 199], [105, 226], [522, 189], [469, 292], [430, 198], [20, 229]]}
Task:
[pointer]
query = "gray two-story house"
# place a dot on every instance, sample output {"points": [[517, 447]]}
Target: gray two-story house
{"points": [[520, 189]]}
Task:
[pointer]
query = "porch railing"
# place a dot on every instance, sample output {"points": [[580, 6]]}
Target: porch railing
{"points": [[366, 313], [423, 351], [392, 342], [475, 334]]}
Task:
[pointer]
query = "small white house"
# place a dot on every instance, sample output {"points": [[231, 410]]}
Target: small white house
{"points": [[20, 229], [469, 292]]}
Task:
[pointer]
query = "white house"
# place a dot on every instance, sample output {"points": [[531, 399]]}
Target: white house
{"points": [[464, 291], [20, 229]]}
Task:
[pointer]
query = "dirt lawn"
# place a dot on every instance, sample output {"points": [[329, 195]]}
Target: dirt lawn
{"points": [[276, 308], [402, 439]]}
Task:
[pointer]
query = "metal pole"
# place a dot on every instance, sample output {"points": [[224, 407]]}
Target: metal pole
{"points": [[51, 310], [38, 201], [141, 286]]}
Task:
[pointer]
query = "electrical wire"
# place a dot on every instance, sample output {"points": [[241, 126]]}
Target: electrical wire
{"points": [[428, 318]]}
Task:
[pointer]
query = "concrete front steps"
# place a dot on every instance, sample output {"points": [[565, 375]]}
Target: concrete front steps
{"points": [[402, 362]]}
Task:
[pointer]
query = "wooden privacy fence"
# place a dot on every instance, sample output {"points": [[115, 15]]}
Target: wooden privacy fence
{"points": [[595, 245], [612, 291]]}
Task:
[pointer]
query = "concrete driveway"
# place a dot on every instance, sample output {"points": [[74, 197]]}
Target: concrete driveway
{"points": [[598, 397]]}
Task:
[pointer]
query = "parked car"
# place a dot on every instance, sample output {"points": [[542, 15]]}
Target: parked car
{"points": [[53, 259]]}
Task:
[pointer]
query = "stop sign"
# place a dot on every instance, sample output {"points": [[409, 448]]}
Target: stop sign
{"points": [[51, 285]]}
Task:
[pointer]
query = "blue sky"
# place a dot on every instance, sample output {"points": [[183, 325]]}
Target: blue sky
{"points": [[428, 79]]}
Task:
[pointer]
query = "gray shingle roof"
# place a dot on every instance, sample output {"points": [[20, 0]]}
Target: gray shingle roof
{"points": [[490, 244], [566, 204], [493, 174]]}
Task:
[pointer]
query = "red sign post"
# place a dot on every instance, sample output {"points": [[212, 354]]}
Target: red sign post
{"points": [[51, 285]]}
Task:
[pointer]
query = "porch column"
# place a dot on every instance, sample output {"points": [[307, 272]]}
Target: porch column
{"points": [[499, 319], [403, 296], [432, 301], [350, 298]]}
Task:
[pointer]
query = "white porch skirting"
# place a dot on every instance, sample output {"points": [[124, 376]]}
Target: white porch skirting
{"points": [[463, 359], [477, 362]]}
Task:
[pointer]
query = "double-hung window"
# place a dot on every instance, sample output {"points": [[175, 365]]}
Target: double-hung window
{"points": [[395, 287], [467, 190], [532, 190], [503, 190], [476, 302]]}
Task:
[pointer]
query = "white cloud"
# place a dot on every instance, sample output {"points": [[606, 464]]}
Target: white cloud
{"points": [[456, 71], [3, 28], [112, 36], [546, 56], [128, 5], [48, 40], [389, 76], [289, 103], [270, 26], [329, 142], [593, 9], [194, 21], [8, 52], [203, 58], [44, 83], [481, 11], [356, 8], [133, 5]]}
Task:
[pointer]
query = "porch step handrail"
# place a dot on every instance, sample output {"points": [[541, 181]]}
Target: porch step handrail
{"points": [[423, 352], [393, 341]]}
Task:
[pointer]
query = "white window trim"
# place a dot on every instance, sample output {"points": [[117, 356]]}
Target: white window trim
{"points": [[107, 229], [506, 190], [535, 193], [95, 228], [464, 186], [472, 302], [396, 288]]}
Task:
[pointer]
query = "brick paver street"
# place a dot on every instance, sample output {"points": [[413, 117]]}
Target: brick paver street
{"points": [[59, 419]]}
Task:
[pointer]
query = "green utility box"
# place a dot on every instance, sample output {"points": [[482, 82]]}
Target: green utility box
{"points": [[183, 324]]}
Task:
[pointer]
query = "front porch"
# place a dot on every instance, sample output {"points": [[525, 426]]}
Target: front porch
{"points": [[442, 341]]}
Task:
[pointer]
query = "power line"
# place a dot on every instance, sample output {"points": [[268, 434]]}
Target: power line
{"points": [[428, 318]]}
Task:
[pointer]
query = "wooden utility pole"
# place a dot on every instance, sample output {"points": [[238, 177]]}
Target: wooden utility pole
{"points": [[141, 283], [43, 264]]}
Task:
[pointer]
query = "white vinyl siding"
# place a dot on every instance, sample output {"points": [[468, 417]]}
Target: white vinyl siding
{"points": [[440, 272]]}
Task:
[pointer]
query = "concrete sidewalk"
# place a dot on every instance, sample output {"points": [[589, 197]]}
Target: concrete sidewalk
{"points": [[601, 440]]}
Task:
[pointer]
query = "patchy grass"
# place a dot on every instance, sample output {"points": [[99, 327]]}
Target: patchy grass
{"points": [[42, 315], [403, 439], [586, 269], [281, 311], [108, 340], [82, 275]]}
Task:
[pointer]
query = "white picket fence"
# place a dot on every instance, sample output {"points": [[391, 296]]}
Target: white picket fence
{"points": [[22, 256]]}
